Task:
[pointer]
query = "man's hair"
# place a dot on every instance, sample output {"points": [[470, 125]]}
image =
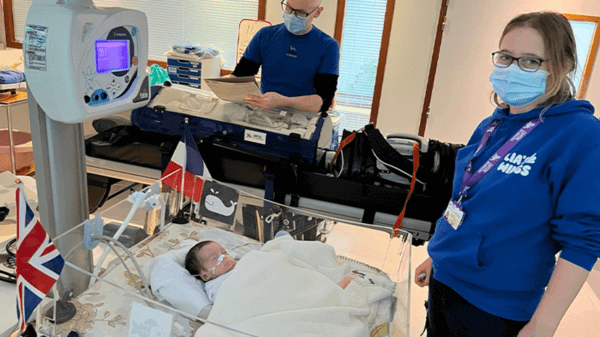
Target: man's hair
{"points": [[559, 44], [192, 261]]}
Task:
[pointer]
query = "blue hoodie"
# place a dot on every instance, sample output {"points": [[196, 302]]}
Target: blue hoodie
{"points": [[541, 198]]}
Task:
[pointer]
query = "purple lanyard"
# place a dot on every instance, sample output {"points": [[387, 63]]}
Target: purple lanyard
{"points": [[470, 179]]}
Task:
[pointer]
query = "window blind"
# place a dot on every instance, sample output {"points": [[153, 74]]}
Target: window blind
{"points": [[208, 23], [361, 42]]}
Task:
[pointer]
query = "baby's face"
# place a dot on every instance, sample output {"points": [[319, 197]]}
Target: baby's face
{"points": [[212, 267]]}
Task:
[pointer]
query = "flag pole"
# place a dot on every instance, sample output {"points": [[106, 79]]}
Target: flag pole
{"points": [[184, 167]]}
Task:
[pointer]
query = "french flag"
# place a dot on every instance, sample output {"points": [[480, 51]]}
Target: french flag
{"points": [[186, 156]]}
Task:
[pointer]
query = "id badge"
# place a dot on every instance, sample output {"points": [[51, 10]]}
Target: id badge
{"points": [[454, 214]]}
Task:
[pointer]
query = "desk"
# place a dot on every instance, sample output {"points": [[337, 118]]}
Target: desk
{"points": [[8, 101]]}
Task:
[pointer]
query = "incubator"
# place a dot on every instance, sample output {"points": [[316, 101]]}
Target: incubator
{"points": [[281, 286]]}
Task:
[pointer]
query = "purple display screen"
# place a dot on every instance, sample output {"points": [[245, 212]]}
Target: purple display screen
{"points": [[112, 55]]}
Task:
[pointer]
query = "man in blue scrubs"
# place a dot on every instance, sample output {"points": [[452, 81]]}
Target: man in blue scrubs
{"points": [[300, 63]]}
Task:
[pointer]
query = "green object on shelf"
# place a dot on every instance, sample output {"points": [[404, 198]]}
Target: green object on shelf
{"points": [[158, 75]]}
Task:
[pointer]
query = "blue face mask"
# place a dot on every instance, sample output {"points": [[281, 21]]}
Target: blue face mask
{"points": [[517, 87], [293, 24]]}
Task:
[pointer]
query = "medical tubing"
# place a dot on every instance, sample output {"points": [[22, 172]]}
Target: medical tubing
{"points": [[136, 265], [163, 205], [104, 238], [184, 314], [139, 197], [8, 277]]}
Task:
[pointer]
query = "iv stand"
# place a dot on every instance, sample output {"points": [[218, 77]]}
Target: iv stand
{"points": [[60, 173]]}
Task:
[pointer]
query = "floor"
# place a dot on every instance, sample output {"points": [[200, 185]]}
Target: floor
{"points": [[580, 320]]}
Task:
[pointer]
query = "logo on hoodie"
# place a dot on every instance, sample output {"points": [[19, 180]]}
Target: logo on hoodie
{"points": [[515, 163]]}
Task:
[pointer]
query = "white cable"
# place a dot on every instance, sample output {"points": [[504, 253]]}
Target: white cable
{"points": [[106, 238], [137, 197], [395, 168], [142, 277], [342, 168]]}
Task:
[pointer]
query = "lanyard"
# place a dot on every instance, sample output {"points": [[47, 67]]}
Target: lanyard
{"points": [[470, 179]]}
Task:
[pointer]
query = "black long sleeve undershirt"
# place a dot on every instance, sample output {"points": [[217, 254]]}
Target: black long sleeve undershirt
{"points": [[325, 84]]}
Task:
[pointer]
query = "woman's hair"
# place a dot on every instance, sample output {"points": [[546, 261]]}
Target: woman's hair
{"points": [[192, 262], [559, 43]]}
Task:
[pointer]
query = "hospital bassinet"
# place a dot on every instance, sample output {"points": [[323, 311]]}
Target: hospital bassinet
{"points": [[110, 306]]}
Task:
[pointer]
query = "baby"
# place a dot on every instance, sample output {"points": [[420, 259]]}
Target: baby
{"points": [[211, 263]]}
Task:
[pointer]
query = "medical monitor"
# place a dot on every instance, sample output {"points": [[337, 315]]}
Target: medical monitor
{"points": [[86, 63], [112, 55]]}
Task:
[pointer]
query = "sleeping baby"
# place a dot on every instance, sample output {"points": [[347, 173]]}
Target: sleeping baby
{"points": [[211, 263]]}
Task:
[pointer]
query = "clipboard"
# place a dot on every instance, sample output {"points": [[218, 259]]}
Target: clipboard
{"points": [[234, 89]]}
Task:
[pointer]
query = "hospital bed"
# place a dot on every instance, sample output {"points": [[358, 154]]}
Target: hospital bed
{"points": [[119, 283]]}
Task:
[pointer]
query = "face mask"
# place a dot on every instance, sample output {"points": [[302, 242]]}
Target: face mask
{"points": [[293, 24], [517, 87]]}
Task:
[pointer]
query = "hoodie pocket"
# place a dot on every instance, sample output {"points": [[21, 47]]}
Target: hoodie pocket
{"points": [[455, 249]]}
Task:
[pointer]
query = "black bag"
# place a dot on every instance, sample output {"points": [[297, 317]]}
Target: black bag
{"points": [[128, 144], [356, 161]]}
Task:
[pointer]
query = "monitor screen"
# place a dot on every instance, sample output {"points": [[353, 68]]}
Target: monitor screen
{"points": [[112, 55]]}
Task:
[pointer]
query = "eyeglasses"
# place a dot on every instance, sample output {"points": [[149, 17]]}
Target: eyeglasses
{"points": [[526, 63], [300, 14]]}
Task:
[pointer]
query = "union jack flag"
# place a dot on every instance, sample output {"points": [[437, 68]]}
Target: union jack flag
{"points": [[38, 261]]}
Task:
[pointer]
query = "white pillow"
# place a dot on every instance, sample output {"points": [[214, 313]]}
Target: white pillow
{"points": [[170, 281]]}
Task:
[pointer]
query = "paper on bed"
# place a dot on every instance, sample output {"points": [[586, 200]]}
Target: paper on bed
{"points": [[289, 288], [234, 89]]}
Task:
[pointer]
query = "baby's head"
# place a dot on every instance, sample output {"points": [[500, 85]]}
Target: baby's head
{"points": [[208, 260]]}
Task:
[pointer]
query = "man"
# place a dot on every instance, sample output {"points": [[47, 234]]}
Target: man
{"points": [[300, 63]]}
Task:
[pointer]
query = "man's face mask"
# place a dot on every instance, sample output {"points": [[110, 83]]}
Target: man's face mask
{"points": [[293, 24]]}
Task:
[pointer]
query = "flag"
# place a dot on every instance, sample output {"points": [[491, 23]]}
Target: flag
{"points": [[187, 156], [38, 261]]}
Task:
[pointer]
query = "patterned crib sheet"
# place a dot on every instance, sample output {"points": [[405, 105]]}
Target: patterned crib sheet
{"points": [[104, 310]]}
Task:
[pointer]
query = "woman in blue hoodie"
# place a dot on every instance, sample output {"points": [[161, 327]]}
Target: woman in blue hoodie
{"points": [[526, 187]]}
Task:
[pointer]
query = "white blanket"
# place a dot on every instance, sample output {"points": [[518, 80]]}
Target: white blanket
{"points": [[289, 288]]}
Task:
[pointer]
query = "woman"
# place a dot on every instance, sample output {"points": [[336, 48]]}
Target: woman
{"points": [[525, 188]]}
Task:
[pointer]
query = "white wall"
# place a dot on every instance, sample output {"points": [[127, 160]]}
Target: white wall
{"points": [[461, 95], [409, 57], [325, 22], [2, 32], [407, 68], [461, 92]]}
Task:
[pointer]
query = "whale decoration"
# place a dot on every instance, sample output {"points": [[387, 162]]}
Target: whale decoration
{"points": [[216, 205]]}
